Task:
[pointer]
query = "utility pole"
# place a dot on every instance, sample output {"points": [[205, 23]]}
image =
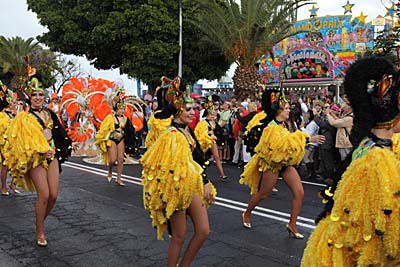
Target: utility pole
{"points": [[180, 41], [138, 88]]}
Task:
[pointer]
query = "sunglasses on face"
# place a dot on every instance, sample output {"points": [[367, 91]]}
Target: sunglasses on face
{"points": [[37, 94], [189, 109]]}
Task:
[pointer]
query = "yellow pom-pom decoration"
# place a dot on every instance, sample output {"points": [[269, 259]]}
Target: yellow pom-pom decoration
{"points": [[201, 133], [4, 123], [157, 126], [277, 148], [25, 149], [365, 217], [103, 141]]}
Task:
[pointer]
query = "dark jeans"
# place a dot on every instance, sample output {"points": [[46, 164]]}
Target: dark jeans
{"points": [[140, 136], [327, 164]]}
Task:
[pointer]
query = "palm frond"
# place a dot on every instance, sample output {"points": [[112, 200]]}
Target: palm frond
{"points": [[246, 28], [13, 50]]}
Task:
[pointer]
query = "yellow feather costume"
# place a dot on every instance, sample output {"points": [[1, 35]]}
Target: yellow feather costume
{"points": [[157, 126], [364, 226], [256, 120], [205, 140], [25, 149], [103, 136], [277, 148], [396, 144], [4, 122], [170, 177]]}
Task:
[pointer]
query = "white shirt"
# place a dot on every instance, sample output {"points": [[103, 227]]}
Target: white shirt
{"points": [[312, 129]]}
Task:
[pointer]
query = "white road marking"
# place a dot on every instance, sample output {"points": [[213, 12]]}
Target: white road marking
{"points": [[220, 201]]}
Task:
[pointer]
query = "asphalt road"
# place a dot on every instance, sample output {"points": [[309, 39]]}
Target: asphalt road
{"points": [[96, 223]]}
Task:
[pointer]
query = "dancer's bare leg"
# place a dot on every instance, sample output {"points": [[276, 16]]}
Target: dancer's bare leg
{"points": [[178, 228], [53, 181], [293, 181], [112, 157], [214, 151], [268, 182], [3, 179], [198, 214], [39, 178], [120, 158]]}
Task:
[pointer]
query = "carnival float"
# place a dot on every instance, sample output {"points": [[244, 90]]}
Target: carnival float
{"points": [[88, 101], [314, 61]]}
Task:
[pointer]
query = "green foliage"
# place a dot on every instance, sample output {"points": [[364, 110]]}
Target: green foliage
{"points": [[139, 37], [387, 42], [246, 29], [13, 53]]}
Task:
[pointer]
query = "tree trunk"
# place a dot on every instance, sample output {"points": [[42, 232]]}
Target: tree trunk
{"points": [[245, 82]]}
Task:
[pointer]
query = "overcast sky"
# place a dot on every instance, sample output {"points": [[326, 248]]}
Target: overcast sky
{"points": [[16, 20], [372, 8]]}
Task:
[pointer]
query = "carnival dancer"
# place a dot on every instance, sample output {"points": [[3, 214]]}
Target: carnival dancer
{"points": [[7, 105], [204, 132], [36, 146], [361, 227], [116, 135], [82, 99], [174, 181], [277, 154]]}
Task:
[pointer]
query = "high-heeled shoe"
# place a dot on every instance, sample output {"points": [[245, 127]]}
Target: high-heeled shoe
{"points": [[15, 190], [120, 183], [41, 242], [5, 193], [109, 178], [245, 224], [224, 178], [291, 232]]}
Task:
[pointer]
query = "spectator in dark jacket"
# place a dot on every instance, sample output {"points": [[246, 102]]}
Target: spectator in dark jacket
{"points": [[327, 149]]}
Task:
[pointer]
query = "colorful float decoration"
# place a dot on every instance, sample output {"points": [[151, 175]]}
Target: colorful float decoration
{"points": [[306, 63], [82, 99], [343, 37]]}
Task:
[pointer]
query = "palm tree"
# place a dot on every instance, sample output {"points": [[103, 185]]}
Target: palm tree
{"points": [[12, 57], [245, 31], [14, 53]]}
